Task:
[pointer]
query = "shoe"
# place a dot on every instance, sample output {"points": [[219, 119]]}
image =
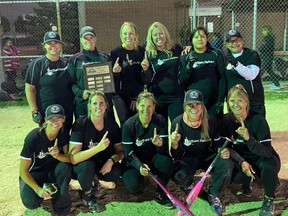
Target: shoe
{"points": [[246, 190], [164, 200], [215, 203], [275, 87], [188, 189], [89, 200], [267, 208]]}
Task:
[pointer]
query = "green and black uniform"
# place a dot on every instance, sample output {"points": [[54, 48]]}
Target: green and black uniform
{"points": [[257, 151], [75, 68], [163, 82], [205, 72], [45, 169], [253, 87], [139, 139]]}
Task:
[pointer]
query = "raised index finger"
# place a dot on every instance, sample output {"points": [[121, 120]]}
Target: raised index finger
{"points": [[146, 56], [176, 128], [117, 60], [242, 123], [56, 142], [105, 135], [155, 132]]}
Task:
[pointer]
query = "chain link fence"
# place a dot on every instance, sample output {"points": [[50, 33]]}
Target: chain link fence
{"points": [[25, 22]]}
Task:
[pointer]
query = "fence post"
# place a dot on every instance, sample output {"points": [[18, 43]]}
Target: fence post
{"points": [[1, 61]]}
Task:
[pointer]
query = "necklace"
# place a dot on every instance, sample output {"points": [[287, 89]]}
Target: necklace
{"points": [[190, 123]]}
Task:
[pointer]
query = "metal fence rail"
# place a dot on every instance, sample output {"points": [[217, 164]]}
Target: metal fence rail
{"points": [[27, 21]]}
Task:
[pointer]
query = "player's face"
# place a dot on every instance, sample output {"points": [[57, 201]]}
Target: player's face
{"points": [[53, 48], [235, 44], [159, 38], [98, 106], [194, 111], [88, 42], [238, 105], [128, 37], [145, 108], [55, 123], [199, 41]]}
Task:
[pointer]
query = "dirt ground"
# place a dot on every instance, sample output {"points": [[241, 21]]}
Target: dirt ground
{"points": [[15, 123]]}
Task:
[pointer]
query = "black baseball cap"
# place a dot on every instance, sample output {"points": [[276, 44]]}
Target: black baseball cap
{"points": [[54, 110], [51, 36], [87, 30], [232, 33], [193, 96]]}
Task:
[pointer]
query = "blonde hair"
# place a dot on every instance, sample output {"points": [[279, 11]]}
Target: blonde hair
{"points": [[204, 124], [132, 25], [146, 95], [240, 91], [93, 94], [151, 47]]}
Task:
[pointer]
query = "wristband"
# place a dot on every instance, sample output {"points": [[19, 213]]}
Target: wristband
{"points": [[113, 160]]}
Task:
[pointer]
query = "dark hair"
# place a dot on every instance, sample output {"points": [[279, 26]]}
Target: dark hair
{"points": [[200, 28]]}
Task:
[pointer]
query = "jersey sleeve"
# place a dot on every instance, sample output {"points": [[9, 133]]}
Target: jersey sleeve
{"points": [[28, 149]]}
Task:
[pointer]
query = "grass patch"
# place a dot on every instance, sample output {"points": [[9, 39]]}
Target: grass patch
{"points": [[276, 95]]}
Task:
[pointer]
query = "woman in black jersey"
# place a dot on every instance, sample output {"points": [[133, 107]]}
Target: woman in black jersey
{"points": [[194, 139], [203, 69], [95, 149], [146, 134], [128, 68], [162, 76], [43, 159], [48, 82], [252, 141]]}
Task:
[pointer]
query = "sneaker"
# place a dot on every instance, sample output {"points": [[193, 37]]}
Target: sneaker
{"points": [[246, 190], [275, 87], [89, 200], [215, 203], [267, 208], [164, 200]]}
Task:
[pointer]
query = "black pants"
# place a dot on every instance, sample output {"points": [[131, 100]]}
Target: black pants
{"points": [[85, 172], [171, 110], [61, 175], [123, 109], [187, 167], [161, 165]]}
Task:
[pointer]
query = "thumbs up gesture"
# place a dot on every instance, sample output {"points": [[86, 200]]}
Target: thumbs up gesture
{"points": [[242, 131], [104, 143], [157, 140], [145, 62], [175, 137], [117, 68]]}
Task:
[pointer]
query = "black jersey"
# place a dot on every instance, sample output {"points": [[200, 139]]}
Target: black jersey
{"points": [[84, 133], [254, 87], [162, 76], [128, 83], [259, 144], [35, 148], [191, 144], [75, 68], [139, 139], [206, 74], [52, 83]]}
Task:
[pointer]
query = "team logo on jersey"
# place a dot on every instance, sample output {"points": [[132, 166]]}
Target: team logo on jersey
{"points": [[43, 154], [188, 142], [91, 144], [142, 142], [230, 66]]}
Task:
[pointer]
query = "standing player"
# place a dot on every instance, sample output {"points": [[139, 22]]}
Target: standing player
{"points": [[42, 160], [243, 66], [89, 55], [128, 71], [162, 76], [203, 69], [48, 82]]}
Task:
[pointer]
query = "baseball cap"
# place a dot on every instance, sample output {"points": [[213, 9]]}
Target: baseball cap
{"points": [[51, 36], [193, 96], [87, 30], [54, 110], [232, 33]]}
